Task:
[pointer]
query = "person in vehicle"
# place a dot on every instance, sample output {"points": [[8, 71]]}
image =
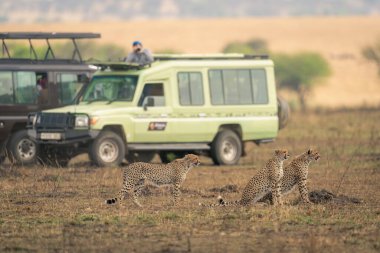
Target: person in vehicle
{"points": [[139, 55]]}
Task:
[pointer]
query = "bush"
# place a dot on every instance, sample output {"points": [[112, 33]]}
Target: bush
{"points": [[300, 72]]}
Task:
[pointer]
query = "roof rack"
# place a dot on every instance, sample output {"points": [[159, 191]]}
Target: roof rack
{"points": [[44, 36], [121, 66], [165, 57]]}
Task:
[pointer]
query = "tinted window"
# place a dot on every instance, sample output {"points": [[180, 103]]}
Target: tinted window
{"points": [[216, 87], [259, 84], [6, 87], [152, 95], [25, 87], [190, 88], [69, 85], [238, 86], [18, 87]]}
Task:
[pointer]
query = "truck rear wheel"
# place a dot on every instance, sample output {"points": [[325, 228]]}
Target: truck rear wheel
{"points": [[107, 149], [21, 149], [226, 149]]}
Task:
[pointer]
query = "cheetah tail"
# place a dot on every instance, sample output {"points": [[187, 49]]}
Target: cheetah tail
{"points": [[111, 201], [220, 203]]}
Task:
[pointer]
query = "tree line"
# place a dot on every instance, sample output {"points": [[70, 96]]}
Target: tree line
{"points": [[299, 72]]}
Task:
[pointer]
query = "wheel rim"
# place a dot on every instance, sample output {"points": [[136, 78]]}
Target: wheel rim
{"points": [[229, 150], [26, 149], [108, 151]]}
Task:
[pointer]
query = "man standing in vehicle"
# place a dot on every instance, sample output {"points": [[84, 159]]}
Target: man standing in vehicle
{"points": [[139, 54]]}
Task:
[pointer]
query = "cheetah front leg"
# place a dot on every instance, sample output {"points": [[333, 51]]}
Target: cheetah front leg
{"points": [[303, 191], [176, 193], [276, 193], [137, 192]]}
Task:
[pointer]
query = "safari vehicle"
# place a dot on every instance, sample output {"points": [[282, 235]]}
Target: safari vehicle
{"points": [[206, 104], [34, 84]]}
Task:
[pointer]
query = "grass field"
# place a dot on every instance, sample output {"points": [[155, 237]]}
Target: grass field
{"points": [[354, 80], [62, 210]]}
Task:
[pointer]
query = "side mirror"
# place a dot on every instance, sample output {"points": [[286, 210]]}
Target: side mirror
{"points": [[150, 102]]}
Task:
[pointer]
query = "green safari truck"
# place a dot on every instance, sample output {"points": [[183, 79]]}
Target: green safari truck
{"points": [[205, 104]]}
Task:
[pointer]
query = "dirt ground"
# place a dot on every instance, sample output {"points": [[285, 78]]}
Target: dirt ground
{"points": [[354, 80], [62, 210]]}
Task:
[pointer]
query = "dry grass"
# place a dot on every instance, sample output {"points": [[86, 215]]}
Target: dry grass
{"points": [[62, 210], [340, 39]]}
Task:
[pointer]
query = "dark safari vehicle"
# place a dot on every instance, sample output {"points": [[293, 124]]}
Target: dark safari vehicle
{"points": [[35, 84]]}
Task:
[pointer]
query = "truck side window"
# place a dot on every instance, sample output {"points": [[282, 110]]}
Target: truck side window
{"points": [[26, 89], [190, 88], [153, 92], [238, 86], [6, 87]]}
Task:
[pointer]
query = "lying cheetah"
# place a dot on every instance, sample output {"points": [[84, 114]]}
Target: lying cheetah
{"points": [[266, 180], [136, 175], [295, 174]]}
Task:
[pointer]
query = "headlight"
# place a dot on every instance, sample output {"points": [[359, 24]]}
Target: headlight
{"points": [[81, 121]]}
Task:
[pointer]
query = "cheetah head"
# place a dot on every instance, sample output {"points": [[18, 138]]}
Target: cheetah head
{"points": [[282, 153], [192, 159], [313, 154]]}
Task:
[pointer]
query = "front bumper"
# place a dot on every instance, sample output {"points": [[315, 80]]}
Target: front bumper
{"points": [[69, 136], [57, 128]]}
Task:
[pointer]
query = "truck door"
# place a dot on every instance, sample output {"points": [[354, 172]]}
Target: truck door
{"points": [[152, 120]]}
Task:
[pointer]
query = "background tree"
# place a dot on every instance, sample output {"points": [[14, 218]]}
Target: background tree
{"points": [[300, 72], [253, 46], [372, 53]]}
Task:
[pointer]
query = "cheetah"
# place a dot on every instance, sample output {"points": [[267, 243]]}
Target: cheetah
{"points": [[295, 174], [136, 175], [266, 180]]}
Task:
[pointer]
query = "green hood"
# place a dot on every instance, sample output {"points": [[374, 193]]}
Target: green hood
{"points": [[95, 108]]}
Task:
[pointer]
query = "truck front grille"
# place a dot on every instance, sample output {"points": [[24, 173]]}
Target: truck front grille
{"points": [[55, 121]]}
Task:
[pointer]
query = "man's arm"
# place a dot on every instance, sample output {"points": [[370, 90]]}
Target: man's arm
{"points": [[130, 57], [149, 56]]}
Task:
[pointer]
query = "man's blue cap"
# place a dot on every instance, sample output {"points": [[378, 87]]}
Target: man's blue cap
{"points": [[135, 43]]}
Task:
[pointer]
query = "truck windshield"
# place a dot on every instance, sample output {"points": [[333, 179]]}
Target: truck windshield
{"points": [[110, 88]]}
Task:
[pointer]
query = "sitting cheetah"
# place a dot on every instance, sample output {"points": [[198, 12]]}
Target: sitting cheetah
{"points": [[266, 180], [295, 174], [136, 175]]}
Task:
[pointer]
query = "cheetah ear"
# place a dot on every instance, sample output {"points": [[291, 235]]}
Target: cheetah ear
{"points": [[309, 151]]}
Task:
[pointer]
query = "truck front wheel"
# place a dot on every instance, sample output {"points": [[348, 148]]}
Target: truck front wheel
{"points": [[107, 149], [21, 149], [226, 149]]}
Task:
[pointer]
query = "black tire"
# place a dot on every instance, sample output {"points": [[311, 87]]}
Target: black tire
{"points": [[107, 150], [169, 156], [141, 156], [226, 149], [22, 150], [54, 157]]}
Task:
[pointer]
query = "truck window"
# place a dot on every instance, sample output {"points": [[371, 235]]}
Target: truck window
{"points": [[25, 87], [155, 91], [190, 88], [69, 85], [111, 88], [238, 86], [6, 87], [259, 84]]}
